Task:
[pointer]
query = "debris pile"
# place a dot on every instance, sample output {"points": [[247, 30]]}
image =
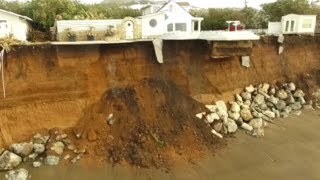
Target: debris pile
{"points": [[47, 149], [254, 108]]}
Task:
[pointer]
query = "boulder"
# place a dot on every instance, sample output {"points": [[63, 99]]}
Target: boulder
{"points": [[200, 115], [218, 126], [272, 91], [9, 160], [302, 100], [36, 164], [239, 98], [264, 87], [292, 86], [298, 93], [223, 115], [38, 139], [246, 127], [276, 112], [282, 94], [273, 100], [231, 126], [270, 105], [259, 99], [210, 118], [221, 106], [235, 107], [256, 123], [61, 137], [39, 148], [246, 96], [263, 107], [290, 99], [216, 134], [269, 114], [246, 115], [287, 109], [247, 103], [249, 89], [296, 106], [22, 149], [212, 108], [258, 132], [256, 114], [234, 115], [52, 160], [281, 105], [20, 174], [57, 147]]}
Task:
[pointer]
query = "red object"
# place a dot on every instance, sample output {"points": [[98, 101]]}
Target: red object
{"points": [[233, 27]]}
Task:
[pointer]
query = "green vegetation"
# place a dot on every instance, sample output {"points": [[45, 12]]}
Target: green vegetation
{"points": [[44, 12]]}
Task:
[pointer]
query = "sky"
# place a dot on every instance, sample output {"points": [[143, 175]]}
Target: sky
{"points": [[214, 3]]}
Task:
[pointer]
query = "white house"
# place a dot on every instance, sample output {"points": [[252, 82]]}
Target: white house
{"points": [[168, 18], [14, 24], [298, 24]]}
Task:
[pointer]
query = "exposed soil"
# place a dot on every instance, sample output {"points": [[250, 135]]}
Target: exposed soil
{"points": [[154, 123], [154, 105]]}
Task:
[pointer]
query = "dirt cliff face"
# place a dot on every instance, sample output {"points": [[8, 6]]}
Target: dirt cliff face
{"points": [[77, 87]]}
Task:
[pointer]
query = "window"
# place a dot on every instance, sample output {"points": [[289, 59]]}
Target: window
{"points": [[170, 27], [181, 27], [171, 8], [287, 26], [292, 26], [307, 23], [153, 23]]}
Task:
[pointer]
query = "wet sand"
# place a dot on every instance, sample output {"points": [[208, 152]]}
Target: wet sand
{"points": [[289, 150]]}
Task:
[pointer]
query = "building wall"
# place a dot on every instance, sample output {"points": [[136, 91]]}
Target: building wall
{"points": [[176, 14], [148, 31], [81, 27], [302, 24], [274, 28], [18, 27]]}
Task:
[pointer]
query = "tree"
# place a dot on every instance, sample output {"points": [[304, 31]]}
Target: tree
{"points": [[274, 11]]}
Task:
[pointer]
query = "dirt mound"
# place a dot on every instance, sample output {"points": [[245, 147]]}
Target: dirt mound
{"points": [[153, 124]]}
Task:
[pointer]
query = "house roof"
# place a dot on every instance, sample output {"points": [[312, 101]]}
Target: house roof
{"points": [[14, 14], [294, 15]]}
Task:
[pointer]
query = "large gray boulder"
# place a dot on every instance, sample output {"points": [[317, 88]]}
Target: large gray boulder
{"points": [[273, 100], [234, 115], [210, 118], [246, 96], [235, 107], [231, 126], [20, 174], [39, 148], [291, 86], [22, 149], [282, 94], [296, 106], [9, 160], [259, 99], [298, 93], [246, 114], [269, 114], [249, 89], [281, 105], [290, 99]]}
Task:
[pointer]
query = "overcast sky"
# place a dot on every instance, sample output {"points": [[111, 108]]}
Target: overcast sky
{"points": [[213, 3]]}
